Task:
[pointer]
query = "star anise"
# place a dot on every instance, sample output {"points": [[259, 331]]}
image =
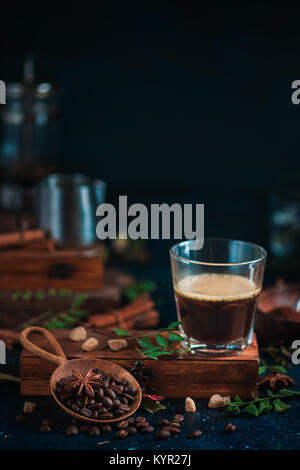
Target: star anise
{"points": [[85, 381], [275, 382]]}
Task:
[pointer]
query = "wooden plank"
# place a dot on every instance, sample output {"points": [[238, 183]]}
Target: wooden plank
{"points": [[172, 375]]}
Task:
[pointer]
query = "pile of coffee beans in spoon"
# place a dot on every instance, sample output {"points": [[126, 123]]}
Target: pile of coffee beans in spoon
{"points": [[95, 395]]}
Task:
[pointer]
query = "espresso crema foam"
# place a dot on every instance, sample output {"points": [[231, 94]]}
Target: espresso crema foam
{"points": [[217, 287]]}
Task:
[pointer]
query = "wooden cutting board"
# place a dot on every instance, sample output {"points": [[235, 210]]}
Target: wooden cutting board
{"points": [[177, 376]]}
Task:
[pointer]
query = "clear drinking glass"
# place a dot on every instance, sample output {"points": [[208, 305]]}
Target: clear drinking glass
{"points": [[216, 291]]}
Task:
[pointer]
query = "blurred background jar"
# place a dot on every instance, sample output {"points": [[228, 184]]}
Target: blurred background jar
{"points": [[30, 138]]}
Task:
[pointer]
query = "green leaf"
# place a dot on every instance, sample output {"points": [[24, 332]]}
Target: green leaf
{"points": [[78, 301], [156, 354], [161, 340], [251, 409], [27, 295], [65, 292], [16, 295], [120, 332], [151, 405], [174, 325], [39, 294], [264, 406], [279, 406], [145, 342], [270, 393], [233, 408], [262, 370], [175, 336], [277, 369]]}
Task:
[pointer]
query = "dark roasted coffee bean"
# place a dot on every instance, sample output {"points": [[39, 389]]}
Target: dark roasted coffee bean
{"points": [[107, 402], [172, 429], [94, 431], [230, 428], [163, 422], [100, 393], [95, 414], [20, 419], [163, 434], [105, 383], [116, 403], [175, 423], [139, 419], [107, 415], [84, 427], [123, 400], [122, 434], [130, 421], [69, 403], [119, 413], [75, 408], [106, 428], [85, 412], [72, 431], [131, 430], [45, 428], [195, 433], [128, 397], [124, 407], [147, 429], [110, 393], [122, 424], [91, 401], [142, 424], [79, 403], [179, 418]]}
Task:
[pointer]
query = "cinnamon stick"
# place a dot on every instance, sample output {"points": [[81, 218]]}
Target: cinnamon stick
{"points": [[20, 238]]}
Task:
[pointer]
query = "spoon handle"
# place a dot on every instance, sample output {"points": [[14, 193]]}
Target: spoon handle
{"points": [[59, 359]]}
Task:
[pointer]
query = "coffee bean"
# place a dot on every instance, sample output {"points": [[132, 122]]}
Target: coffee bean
{"points": [[195, 433], [139, 419], [72, 431], [116, 403], [119, 413], [130, 421], [94, 431], [163, 422], [122, 424], [124, 407], [122, 434], [85, 412], [48, 422], [84, 427], [179, 417], [20, 419], [131, 430], [107, 415], [45, 428], [163, 434], [95, 414], [175, 423], [106, 428], [105, 383], [172, 429], [128, 397], [141, 424], [108, 403], [75, 408], [100, 393], [230, 428], [110, 393], [147, 429]]}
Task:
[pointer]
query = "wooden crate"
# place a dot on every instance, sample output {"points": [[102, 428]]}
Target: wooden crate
{"points": [[22, 269], [178, 375]]}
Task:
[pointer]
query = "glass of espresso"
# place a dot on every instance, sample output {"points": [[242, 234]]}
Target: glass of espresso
{"points": [[216, 290]]}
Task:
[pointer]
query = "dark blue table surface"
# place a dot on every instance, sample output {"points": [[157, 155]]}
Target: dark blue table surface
{"points": [[280, 431]]}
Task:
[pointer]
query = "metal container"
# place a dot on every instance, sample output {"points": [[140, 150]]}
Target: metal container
{"points": [[67, 208]]}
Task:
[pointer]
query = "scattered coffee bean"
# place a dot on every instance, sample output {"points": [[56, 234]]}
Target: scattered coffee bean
{"points": [[163, 422], [122, 424], [130, 421], [131, 430], [142, 424], [230, 428], [20, 419], [45, 428], [48, 422], [172, 429], [122, 434], [195, 433], [163, 434], [106, 428], [139, 419], [175, 423], [94, 431], [147, 429], [72, 431], [179, 417]]}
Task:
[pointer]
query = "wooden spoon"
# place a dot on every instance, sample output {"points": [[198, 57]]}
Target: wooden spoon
{"points": [[66, 367]]}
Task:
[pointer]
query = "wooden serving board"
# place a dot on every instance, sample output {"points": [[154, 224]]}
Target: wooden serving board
{"points": [[177, 376]]}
